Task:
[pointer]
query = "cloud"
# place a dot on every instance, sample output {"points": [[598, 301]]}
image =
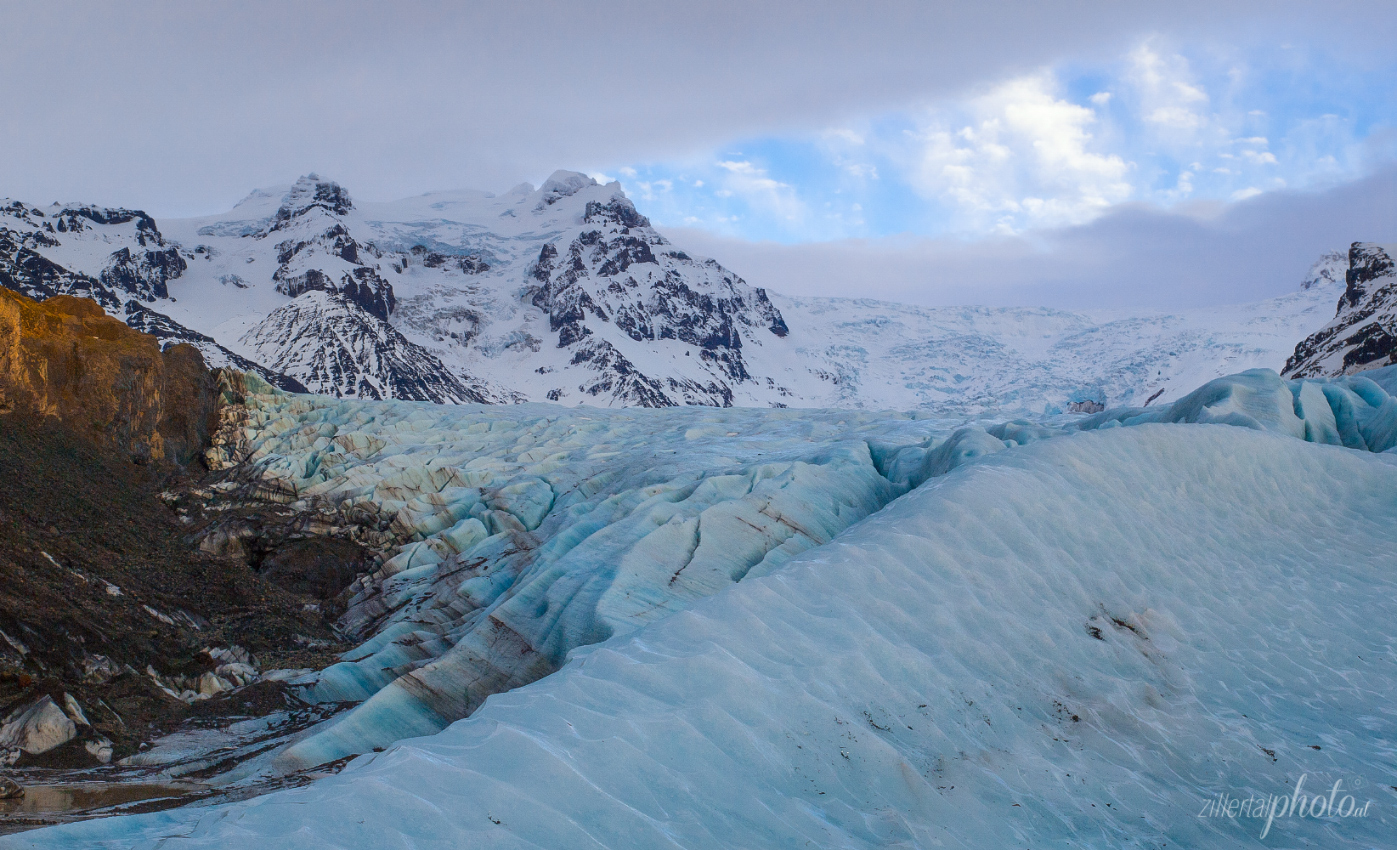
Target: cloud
{"points": [[1136, 256], [751, 183], [1024, 158], [1170, 97], [182, 108]]}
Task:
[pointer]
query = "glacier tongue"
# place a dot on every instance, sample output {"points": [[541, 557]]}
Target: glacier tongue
{"points": [[1077, 641], [529, 531], [525, 533]]}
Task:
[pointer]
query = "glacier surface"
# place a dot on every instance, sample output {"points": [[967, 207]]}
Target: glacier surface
{"points": [[1078, 642], [526, 533]]}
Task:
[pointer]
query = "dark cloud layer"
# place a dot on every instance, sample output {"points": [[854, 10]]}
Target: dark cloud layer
{"points": [[182, 107], [1133, 257]]}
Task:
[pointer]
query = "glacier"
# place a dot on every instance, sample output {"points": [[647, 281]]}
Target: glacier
{"points": [[1080, 641], [716, 628]]}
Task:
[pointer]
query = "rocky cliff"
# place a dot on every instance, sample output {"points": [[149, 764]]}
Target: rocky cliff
{"points": [[114, 619], [67, 360], [1363, 332]]}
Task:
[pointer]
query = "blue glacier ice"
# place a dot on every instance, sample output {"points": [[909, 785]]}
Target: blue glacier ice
{"points": [[836, 629]]}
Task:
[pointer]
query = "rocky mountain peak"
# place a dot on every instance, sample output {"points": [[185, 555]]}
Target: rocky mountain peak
{"points": [[1329, 268], [618, 211], [560, 185], [1363, 333], [333, 345], [308, 194]]}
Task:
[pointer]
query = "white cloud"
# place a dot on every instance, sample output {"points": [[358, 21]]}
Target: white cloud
{"points": [[1169, 98], [1138, 256], [1025, 159], [1101, 98], [1183, 187], [758, 189], [647, 191], [1243, 194]]}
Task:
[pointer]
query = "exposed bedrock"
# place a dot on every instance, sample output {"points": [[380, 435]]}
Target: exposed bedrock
{"points": [[1363, 332], [66, 359]]}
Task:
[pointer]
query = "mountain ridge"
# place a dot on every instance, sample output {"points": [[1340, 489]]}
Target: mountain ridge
{"points": [[566, 293], [1363, 333]]}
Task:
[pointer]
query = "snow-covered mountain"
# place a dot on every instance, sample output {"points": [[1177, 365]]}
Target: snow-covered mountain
{"points": [[561, 293], [566, 293], [116, 257], [1363, 333]]}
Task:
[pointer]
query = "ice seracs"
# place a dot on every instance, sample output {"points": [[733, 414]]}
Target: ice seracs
{"points": [[1091, 634], [521, 534]]}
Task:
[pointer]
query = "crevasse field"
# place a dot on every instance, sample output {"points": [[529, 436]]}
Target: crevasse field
{"points": [[745, 628]]}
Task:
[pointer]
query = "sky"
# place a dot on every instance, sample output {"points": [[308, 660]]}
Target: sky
{"points": [[1069, 154]]}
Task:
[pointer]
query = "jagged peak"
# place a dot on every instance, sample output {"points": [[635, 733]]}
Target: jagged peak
{"points": [[309, 193], [617, 210], [1329, 268], [562, 184]]}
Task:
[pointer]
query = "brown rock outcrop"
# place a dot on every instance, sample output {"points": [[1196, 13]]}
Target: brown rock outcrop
{"points": [[66, 359]]}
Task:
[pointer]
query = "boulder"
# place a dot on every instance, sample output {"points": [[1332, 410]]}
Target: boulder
{"points": [[38, 728]]}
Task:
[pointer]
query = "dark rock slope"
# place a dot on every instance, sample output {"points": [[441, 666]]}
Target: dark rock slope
{"points": [[1363, 333], [114, 619]]}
